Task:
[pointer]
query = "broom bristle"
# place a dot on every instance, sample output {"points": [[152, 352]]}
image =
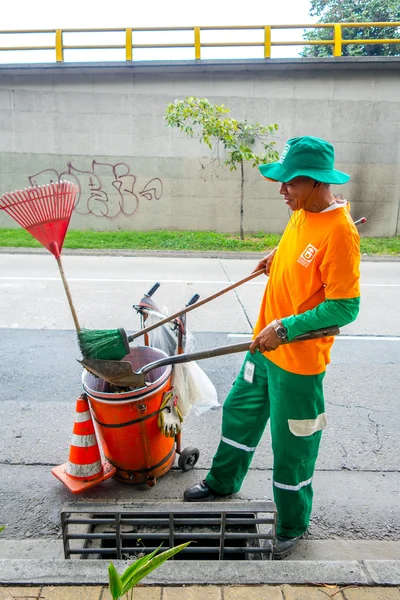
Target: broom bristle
{"points": [[103, 344]]}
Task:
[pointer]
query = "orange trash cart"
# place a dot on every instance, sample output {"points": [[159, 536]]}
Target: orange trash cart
{"points": [[127, 423]]}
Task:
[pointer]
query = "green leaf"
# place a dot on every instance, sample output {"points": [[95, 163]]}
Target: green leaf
{"points": [[150, 565], [115, 583], [131, 570], [197, 117]]}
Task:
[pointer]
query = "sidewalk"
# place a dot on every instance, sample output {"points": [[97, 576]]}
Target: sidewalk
{"points": [[221, 579], [262, 592]]}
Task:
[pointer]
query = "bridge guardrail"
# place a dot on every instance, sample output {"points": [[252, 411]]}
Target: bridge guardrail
{"points": [[337, 41]]}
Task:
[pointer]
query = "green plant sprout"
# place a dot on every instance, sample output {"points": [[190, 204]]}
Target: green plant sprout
{"points": [[121, 585]]}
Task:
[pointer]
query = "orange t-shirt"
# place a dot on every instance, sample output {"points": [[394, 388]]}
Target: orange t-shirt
{"points": [[318, 259]]}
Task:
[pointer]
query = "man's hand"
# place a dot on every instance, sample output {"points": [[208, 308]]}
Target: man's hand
{"points": [[266, 340], [265, 263]]}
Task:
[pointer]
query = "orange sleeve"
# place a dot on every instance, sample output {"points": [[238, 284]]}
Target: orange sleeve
{"points": [[340, 266]]}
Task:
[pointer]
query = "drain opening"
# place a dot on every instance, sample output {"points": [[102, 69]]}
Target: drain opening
{"points": [[232, 534], [204, 538]]}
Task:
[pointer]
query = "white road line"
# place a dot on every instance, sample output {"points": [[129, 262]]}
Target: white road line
{"points": [[115, 280], [380, 284], [367, 338]]}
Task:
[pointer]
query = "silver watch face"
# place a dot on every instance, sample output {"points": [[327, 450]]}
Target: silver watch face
{"points": [[281, 333]]}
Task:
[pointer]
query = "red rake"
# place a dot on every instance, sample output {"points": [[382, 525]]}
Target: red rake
{"points": [[45, 212]]}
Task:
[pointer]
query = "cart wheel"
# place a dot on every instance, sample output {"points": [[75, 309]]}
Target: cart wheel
{"points": [[188, 458], [151, 480]]}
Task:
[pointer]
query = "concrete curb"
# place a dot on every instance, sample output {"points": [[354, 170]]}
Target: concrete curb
{"points": [[94, 572], [175, 253]]}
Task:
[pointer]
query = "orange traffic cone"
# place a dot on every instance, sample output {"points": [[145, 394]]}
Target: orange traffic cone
{"points": [[85, 467]]}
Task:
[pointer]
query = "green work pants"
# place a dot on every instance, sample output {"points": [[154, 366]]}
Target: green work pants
{"points": [[295, 406]]}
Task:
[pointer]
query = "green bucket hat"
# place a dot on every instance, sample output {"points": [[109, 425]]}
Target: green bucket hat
{"points": [[305, 156]]}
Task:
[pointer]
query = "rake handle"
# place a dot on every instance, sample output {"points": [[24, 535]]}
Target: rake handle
{"points": [[68, 293], [187, 309]]}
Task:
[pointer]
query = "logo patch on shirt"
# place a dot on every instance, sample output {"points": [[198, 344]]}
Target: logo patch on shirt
{"points": [[307, 256]]}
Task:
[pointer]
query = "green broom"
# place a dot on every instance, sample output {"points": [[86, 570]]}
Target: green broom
{"points": [[104, 344]]}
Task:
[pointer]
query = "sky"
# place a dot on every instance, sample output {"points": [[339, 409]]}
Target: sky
{"points": [[22, 15]]}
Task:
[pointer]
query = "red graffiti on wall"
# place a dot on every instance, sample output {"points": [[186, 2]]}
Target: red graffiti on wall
{"points": [[106, 190]]}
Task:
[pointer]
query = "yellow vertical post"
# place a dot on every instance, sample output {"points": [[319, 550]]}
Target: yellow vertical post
{"points": [[267, 41], [59, 46], [337, 40], [197, 46], [128, 44]]}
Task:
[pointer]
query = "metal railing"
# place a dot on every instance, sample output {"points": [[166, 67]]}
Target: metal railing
{"points": [[336, 41]]}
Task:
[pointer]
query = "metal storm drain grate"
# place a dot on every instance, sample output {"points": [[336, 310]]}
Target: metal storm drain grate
{"points": [[218, 531]]}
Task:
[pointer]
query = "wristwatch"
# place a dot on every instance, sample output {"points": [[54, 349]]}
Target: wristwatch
{"points": [[280, 330]]}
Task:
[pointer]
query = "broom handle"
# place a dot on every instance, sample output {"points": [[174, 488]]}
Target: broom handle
{"points": [[187, 309], [69, 297]]}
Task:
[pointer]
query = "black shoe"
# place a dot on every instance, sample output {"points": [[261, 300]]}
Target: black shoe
{"points": [[284, 546], [200, 492]]}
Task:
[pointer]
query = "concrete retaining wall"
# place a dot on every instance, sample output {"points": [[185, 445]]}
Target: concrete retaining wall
{"points": [[103, 127]]}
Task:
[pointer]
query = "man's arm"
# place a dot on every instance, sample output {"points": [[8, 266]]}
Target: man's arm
{"points": [[330, 312], [340, 272]]}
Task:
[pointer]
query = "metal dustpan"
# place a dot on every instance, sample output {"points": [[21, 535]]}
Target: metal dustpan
{"points": [[120, 373]]}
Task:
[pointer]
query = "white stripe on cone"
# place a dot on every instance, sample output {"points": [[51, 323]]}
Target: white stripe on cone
{"points": [[81, 417], [83, 441], [84, 470]]}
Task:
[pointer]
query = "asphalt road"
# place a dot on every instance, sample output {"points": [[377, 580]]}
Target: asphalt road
{"points": [[357, 480]]}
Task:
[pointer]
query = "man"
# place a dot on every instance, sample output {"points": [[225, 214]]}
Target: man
{"points": [[313, 283]]}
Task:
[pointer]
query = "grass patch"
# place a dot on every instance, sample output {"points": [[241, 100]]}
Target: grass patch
{"points": [[378, 246], [178, 240], [147, 240]]}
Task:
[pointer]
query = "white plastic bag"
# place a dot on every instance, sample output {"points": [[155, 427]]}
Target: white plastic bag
{"points": [[192, 386], [193, 389], [166, 337]]}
